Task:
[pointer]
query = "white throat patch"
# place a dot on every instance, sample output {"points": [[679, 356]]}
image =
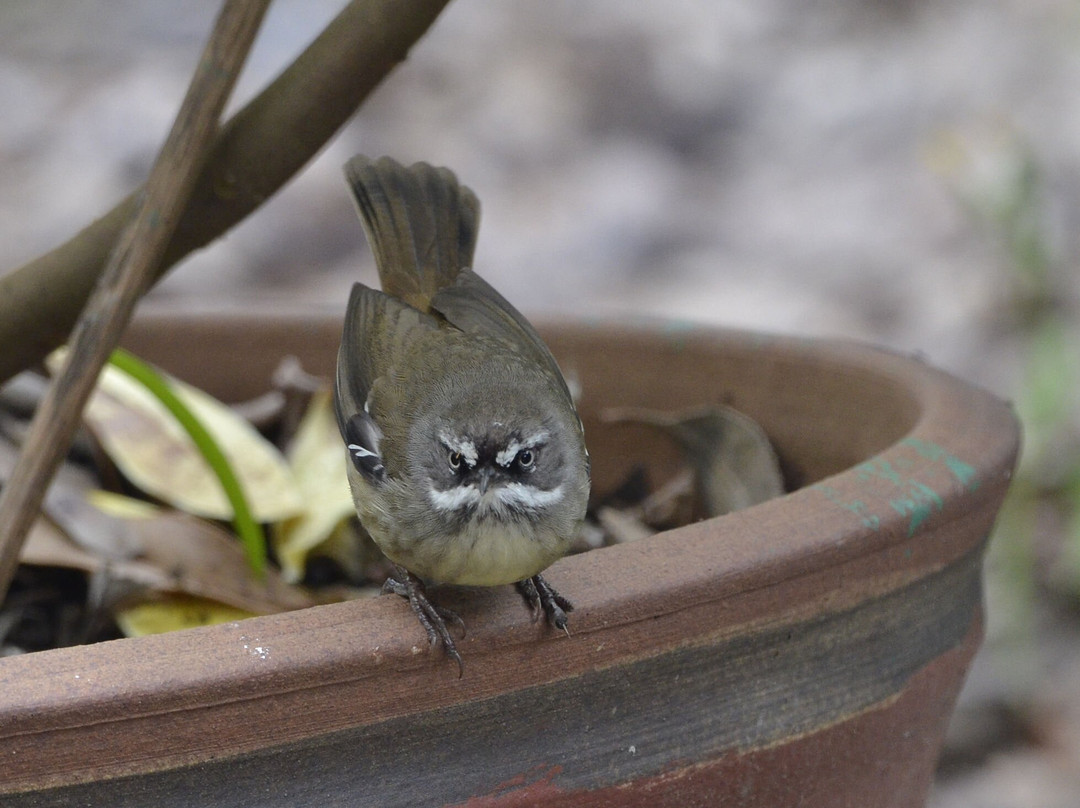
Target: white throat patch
{"points": [[501, 501]]}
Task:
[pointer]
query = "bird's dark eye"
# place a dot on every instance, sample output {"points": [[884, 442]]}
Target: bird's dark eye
{"points": [[526, 459], [455, 459]]}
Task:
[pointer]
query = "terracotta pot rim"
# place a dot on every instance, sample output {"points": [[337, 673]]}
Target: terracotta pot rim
{"points": [[959, 439]]}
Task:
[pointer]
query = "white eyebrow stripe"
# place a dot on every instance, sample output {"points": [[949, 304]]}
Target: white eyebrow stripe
{"points": [[463, 446], [507, 455]]}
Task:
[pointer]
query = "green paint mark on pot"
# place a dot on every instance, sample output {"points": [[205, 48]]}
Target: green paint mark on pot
{"points": [[857, 506], [916, 500], [964, 472], [879, 468], [911, 497], [921, 502]]}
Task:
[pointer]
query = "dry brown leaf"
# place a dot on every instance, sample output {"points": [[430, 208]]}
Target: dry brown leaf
{"points": [[47, 546], [176, 553], [198, 558]]}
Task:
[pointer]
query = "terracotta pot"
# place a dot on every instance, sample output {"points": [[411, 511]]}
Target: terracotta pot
{"points": [[807, 651]]}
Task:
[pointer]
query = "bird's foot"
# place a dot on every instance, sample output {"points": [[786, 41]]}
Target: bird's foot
{"points": [[542, 597], [433, 618]]}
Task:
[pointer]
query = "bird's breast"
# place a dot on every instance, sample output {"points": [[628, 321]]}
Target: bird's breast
{"points": [[481, 552]]}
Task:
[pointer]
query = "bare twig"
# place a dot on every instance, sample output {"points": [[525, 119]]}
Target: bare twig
{"points": [[128, 274], [254, 154]]}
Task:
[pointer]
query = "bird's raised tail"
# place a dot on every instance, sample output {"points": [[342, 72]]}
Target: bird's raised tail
{"points": [[421, 224]]}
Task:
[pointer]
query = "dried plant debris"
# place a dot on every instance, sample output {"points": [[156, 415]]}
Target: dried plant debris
{"points": [[730, 465], [100, 562], [315, 459], [125, 553], [131, 550], [620, 525], [152, 451]]}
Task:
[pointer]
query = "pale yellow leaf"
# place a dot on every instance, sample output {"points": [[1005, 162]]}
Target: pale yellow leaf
{"points": [[120, 506], [174, 613], [317, 458], [154, 452]]}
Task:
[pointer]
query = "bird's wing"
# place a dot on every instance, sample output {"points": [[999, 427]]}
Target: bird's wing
{"points": [[473, 305], [378, 330]]}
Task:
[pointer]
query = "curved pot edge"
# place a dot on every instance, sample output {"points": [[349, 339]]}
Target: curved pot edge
{"points": [[311, 642]]}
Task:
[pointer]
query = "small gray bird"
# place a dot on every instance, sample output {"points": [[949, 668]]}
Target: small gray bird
{"points": [[467, 459]]}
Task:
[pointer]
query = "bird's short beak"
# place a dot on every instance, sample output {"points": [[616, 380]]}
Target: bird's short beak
{"points": [[485, 480]]}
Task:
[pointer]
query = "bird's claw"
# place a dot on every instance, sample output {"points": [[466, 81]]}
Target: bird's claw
{"points": [[433, 618], [542, 598]]}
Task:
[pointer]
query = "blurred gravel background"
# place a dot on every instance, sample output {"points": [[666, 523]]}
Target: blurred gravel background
{"points": [[820, 167]]}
